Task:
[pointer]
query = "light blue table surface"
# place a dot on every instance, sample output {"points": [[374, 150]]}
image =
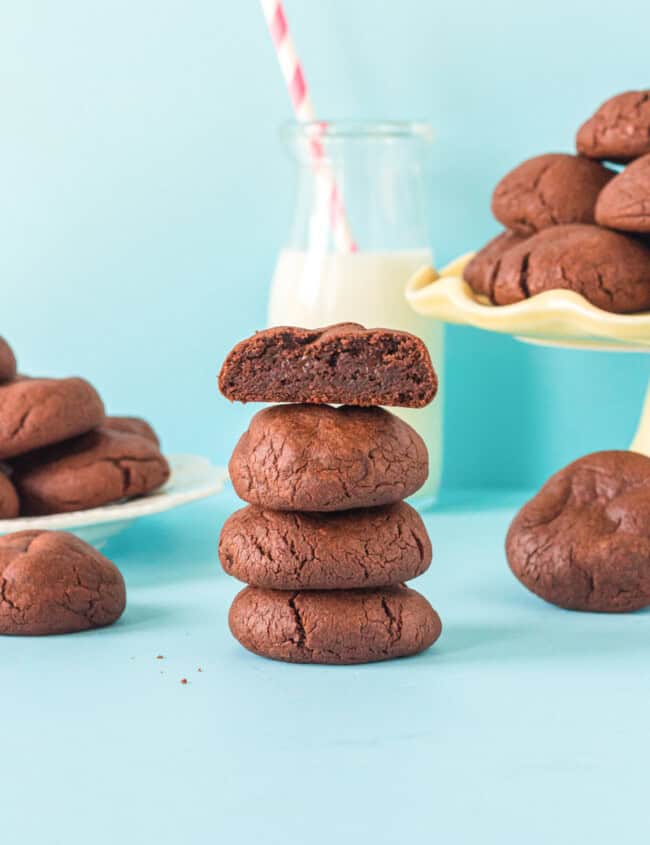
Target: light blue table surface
{"points": [[524, 724]]}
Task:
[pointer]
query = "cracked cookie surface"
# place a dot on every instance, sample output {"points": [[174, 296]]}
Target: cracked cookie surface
{"points": [[611, 270], [625, 202], [481, 271], [619, 130], [95, 469], [319, 458], [132, 425], [583, 542], [334, 626], [294, 551], [549, 190], [36, 412], [7, 361], [343, 364], [9, 505], [51, 582]]}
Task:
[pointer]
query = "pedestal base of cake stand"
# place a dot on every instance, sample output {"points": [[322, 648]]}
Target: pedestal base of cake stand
{"points": [[641, 442]]}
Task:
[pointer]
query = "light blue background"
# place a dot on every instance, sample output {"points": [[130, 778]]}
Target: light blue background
{"points": [[144, 194], [142, 201], [523, 725]]}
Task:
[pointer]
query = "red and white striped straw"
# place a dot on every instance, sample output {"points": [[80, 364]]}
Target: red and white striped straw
{"points": [[294, 78]]}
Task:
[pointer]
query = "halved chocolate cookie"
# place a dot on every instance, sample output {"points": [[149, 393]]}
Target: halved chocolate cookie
{"points": [[344, 364]]}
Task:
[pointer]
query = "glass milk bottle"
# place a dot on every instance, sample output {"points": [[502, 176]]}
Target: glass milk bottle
{"points": [[360, 230]]}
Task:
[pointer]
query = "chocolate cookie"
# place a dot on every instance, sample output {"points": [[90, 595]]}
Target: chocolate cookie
{"points": [[319, 458], [9, 505], [343, 364], [7, 361], [482, 269], [583, 542], [619, 130], [374, 547], [132, 425], [609, 269], [547, 191], [625, 202], [96, 469], [334, 626], [54, 583], [37, 412]]}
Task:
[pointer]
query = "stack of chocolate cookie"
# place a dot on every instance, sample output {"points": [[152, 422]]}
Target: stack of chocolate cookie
{"points": [[572, 222], [327, 542], [60, 452]]}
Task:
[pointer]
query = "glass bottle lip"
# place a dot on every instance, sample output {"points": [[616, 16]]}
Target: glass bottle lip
{"points": [[359, 130]]}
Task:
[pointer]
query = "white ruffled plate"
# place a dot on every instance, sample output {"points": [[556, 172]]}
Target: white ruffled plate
{"points": [[192, 478], [555, 317]]}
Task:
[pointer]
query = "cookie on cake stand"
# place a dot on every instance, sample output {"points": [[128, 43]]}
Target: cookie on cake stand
{"points": [[560, 318]]}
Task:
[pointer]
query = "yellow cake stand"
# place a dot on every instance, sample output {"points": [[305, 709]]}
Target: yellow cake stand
{"points": [[554, 318]]}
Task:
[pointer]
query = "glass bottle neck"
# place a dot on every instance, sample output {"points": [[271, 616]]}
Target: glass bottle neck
{"points": [[365, 189]]}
